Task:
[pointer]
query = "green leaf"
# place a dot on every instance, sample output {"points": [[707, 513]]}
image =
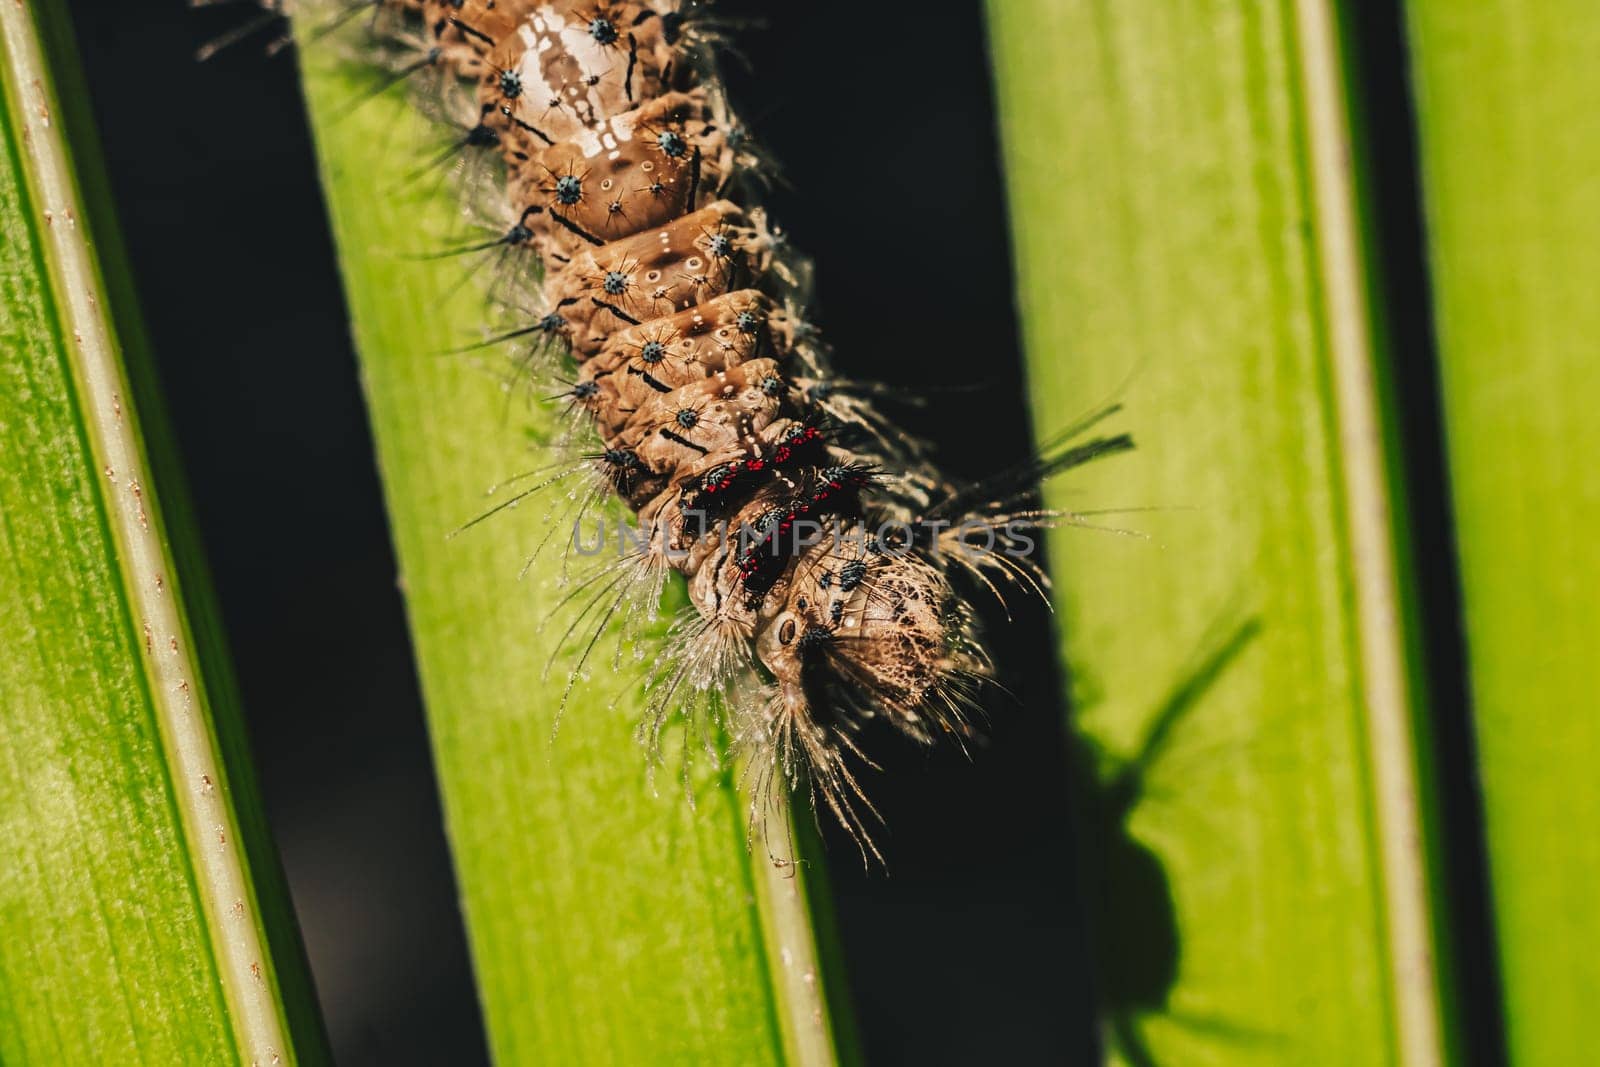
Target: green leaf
{"points": [[1508, 111], [142, 915], [1188, 229], [608, 921]]}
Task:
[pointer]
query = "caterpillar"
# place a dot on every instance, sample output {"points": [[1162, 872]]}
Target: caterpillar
{"points": [[829, 566]]}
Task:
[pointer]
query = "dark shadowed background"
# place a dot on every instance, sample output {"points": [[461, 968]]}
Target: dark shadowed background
{"points": [[970, 947]]}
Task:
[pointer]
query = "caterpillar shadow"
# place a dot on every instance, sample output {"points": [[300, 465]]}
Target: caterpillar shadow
{"points": [[1133, 927]]}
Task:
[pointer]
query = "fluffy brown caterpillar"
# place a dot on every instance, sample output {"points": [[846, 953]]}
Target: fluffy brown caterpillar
{"points": [[822, 551]]}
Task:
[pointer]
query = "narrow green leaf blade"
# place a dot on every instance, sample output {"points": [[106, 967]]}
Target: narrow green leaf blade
{"points": [[1187, 229], [142, 918], [1508, 110], [609, 922]]}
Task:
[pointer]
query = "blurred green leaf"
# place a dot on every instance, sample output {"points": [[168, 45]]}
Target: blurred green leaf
{"points": [[142, 915], [1508, 110], [1188, 229]]}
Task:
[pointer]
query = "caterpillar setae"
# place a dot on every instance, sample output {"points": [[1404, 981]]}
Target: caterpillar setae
{"points": [[829, 566]]}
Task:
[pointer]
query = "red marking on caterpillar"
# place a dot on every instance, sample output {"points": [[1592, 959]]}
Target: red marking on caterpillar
{"points": [[714, 404]]}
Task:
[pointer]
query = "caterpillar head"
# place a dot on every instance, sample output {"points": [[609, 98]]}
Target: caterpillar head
{"points": [[865, 634]]}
